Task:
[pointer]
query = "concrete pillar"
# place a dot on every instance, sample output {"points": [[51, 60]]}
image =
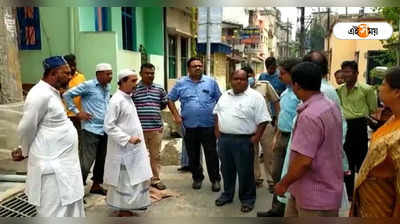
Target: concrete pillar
{"points": [[10, 74], [178, 57]]}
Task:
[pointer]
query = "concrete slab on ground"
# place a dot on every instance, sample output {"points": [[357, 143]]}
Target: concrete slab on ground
{"points": [[190, 203]]}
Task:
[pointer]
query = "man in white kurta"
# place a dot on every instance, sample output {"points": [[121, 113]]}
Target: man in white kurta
{"points": [[50, 141], [127, 169]]}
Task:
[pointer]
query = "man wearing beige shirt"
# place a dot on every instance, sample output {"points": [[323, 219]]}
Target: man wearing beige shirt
{"points": [[270, 96]]}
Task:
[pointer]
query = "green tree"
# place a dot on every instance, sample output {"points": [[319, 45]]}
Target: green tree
{"points": [[392, 16], [317, 35]]}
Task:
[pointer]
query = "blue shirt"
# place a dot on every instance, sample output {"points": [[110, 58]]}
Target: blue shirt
{"points": [[197, 100], [274, 81], [330, 92], [288, 104], [94, 99]]}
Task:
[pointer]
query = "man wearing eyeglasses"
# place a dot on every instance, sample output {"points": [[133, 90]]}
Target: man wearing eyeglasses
{"points": [[198, 95]]}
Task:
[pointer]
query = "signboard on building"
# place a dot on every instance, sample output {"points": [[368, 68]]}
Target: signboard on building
{"points": [[250, 36], [214, 25], [29, 28]]}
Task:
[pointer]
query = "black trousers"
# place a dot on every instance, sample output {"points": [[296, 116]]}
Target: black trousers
{"points": [[94, 147], [237, 159], [355, 147], [194, 137]]}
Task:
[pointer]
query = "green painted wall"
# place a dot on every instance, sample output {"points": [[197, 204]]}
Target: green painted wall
{"points": [[140, 38], [55, 41], [128, 59], [116, 24], [154, 32], [94, 48], [91, 47], [86, 19]]}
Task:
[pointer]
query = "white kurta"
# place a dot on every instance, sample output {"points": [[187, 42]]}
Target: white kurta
{"points": [[121, 123], [50, 140]]}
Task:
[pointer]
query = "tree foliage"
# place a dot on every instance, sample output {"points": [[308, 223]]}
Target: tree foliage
{"points": [[317, 35], [392, 16]]}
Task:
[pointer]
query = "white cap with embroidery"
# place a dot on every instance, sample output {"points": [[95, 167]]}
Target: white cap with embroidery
{"points": [[103, 67], [126, 72]]}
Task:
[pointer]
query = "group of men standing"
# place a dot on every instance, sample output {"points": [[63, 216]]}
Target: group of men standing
{"points": [[291, 113], [110, 133]]}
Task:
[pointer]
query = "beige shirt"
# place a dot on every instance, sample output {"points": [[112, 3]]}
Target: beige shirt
{"points": [[267, 91]]}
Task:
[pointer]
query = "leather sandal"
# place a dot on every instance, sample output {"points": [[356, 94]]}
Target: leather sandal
{"points": [[246, 208], [160, 186]]}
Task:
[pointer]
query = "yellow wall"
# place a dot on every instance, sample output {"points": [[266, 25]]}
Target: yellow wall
{"points": [[179, 19], [343, 50], [220, 70]]}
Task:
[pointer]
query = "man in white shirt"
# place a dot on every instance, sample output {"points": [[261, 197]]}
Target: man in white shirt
{"points": [[127, 168], [54, 182], [241, 115]]}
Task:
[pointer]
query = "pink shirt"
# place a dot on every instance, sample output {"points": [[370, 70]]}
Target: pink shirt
{"points": [[318, 134]]}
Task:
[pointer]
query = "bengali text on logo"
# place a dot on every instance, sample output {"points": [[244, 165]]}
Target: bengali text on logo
{"points": [[363, 31]]}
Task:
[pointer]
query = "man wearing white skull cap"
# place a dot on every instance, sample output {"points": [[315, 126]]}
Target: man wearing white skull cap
{"points": [[95, 96], [127, 168]]}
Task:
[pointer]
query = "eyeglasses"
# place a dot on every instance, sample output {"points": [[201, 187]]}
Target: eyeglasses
{"points": [[195, 66]]}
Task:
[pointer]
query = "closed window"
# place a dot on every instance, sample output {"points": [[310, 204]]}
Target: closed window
{"points": [[128, 28], [184, 55], [102, 19]]}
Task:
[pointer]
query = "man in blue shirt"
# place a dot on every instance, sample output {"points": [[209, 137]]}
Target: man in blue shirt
{"points": [[198, 94], [95, 96], [272, 75]]}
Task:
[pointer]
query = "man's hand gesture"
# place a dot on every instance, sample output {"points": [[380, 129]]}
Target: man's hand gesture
{"points": [[134, 140]]}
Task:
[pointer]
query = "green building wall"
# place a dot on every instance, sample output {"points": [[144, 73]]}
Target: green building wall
{"points": [[154, 32], [72, 30], [55, 41]]}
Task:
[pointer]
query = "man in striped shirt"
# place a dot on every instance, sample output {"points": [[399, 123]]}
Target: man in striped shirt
{"points": [[150, 99]]}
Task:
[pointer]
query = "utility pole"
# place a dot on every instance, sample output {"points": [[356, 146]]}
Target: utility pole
{"points": [[302, 32], [328, 21], [208, 47], [287, 37]]}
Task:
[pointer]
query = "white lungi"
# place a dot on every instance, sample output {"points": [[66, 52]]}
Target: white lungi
{"points": [[126, 196], [51, 201]]}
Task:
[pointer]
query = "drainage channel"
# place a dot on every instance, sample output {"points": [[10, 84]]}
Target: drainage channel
{"points": [[17, 206]]}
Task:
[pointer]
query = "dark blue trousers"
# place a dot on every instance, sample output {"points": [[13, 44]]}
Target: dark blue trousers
{"points": [[237, 158]]}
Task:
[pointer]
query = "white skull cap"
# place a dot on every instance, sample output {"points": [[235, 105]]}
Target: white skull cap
{"points": [[126, 72], [103, 67]]}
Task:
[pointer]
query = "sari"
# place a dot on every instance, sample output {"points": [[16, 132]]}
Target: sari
{"points": [[376, 196]]}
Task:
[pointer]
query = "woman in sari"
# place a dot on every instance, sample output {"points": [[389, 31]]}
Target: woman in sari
{"points": [[377, 188]]}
